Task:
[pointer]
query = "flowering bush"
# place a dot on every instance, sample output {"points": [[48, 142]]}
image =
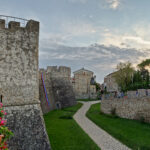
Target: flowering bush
{"points": [[5, 133]]}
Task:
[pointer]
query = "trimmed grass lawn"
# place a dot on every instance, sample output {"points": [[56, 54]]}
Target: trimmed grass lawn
{"points": [[64, 133], [87, 100], [134, 134]]}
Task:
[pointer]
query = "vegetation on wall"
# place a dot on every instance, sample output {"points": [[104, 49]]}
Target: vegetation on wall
{"points": [[128, 78], [124, 74], [5, 133]]}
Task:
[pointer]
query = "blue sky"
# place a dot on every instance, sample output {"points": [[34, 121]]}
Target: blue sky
{"points": [[70, 28]]}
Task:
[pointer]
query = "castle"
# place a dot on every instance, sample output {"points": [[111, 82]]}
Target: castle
{"points": [[83, 84], [56, 90], [19, 85], [110, 83]]}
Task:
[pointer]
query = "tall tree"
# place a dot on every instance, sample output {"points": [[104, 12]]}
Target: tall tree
{"points": [[144, 63], [124, 75]]}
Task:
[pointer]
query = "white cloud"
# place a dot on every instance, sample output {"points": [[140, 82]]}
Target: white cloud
{"points": [[114, 4], [98, 58], [138, 37], [70, 33], [78, 28]]}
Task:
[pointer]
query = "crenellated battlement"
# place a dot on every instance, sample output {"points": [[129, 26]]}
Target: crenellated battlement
{"points": [[31, 25], [60, 69], [19, 83], [58, 72], [19, 61]]}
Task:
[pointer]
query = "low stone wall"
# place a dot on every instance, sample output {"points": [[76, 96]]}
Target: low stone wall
{"points": [[140, 93], [137, 109], [86, 96]]}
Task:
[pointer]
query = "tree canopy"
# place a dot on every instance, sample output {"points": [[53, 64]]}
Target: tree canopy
{"points": [[144, 63], [124, 75]]}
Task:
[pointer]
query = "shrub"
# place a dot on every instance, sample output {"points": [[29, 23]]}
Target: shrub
{"points": [[5, 133]]}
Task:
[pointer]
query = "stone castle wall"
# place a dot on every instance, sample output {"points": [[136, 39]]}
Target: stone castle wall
{"points": [[19, 85], [140, 93], [137, 108], [19, 63], [58, 87], [59, 72], [82, 85]]}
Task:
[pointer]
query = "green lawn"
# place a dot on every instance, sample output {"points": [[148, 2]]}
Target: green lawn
{"points": [[64, 132], [86, 100], [134, 134]]}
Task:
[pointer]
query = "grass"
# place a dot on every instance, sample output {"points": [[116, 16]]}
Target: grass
{"points": [[87, 100], [64, 133], [134, 134]]}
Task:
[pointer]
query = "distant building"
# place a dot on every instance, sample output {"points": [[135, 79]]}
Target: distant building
{"points": [[84, 84], [110, 83]]}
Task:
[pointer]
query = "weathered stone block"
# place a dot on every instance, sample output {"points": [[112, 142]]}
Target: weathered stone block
{"points": [[28, 127], [134, 108], [19, 86], [58, 87]]}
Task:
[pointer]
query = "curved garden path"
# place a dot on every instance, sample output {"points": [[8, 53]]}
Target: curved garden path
{"points": [[99, 136]]}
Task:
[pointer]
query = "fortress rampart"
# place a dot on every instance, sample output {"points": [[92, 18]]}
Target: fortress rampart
{"points": [[19, 63], [19, 85], [59, 72], [58, 87]]}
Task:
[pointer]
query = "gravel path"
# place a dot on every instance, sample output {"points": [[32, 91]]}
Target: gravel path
{"points": [[99, 136]]}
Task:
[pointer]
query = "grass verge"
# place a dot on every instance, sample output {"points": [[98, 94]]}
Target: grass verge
{"points": [[87, 100], [64, 133], [134, 134]]}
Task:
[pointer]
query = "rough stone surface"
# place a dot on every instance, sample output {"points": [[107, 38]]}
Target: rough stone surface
{"points": [[99, 136], [139, 93], [110, 83], [27, 124], [138, 108], [82, 84], [58, 87], [19, 64], [19, 85]]}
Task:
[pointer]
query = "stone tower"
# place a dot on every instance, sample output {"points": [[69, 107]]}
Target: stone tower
{"points": [[19, 85], [58, 87]]}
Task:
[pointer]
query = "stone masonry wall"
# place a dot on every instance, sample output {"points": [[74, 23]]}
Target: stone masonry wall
{"points": [[128, 108], [58, 87], [19, 85], [82, 85], [19, 63], [28, 127]]}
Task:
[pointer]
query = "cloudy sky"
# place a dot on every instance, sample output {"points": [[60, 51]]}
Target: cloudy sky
{"points": [[95, 34]]}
